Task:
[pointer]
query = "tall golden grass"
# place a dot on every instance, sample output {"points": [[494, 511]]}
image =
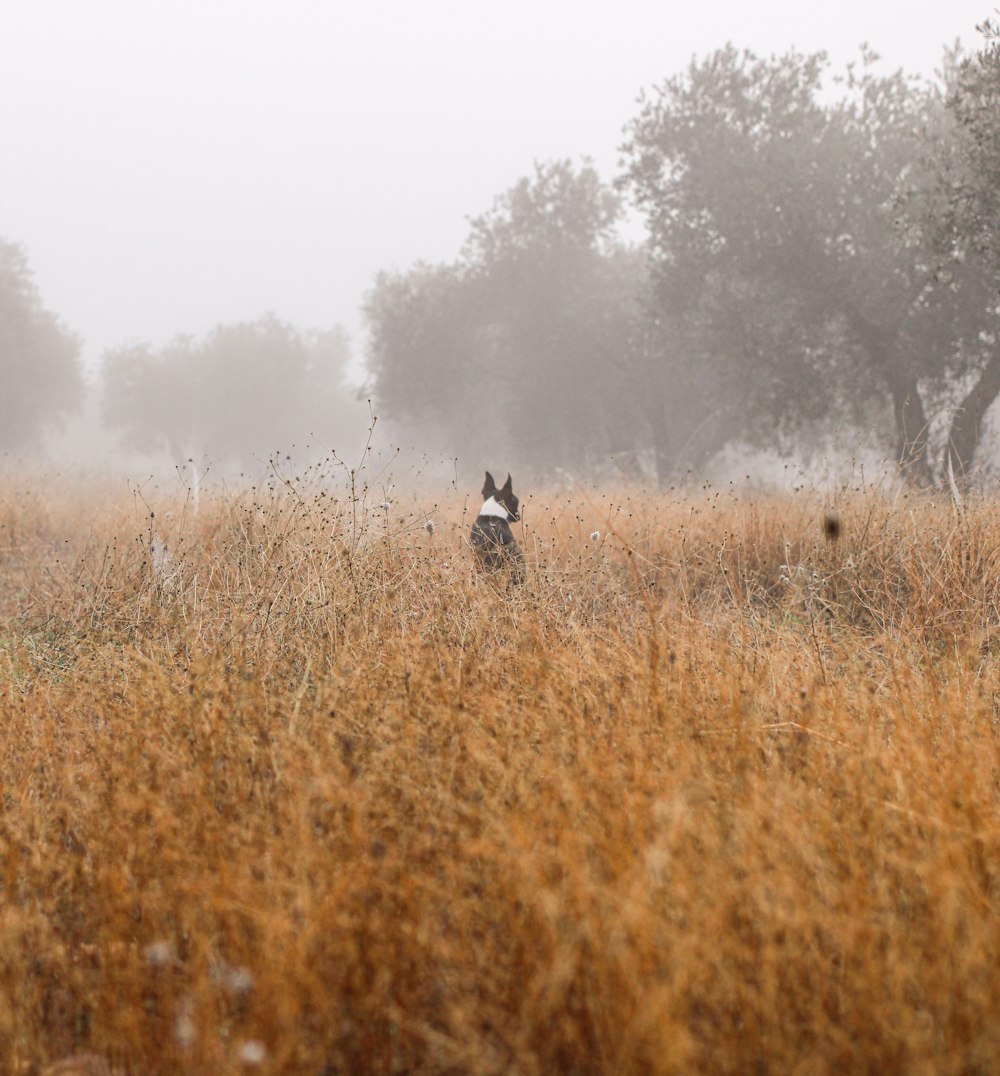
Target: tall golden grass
{"points": [[289, 787]]}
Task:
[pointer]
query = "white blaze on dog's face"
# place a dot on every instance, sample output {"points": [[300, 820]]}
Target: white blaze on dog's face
{"points": [[492, 507], [501, 502]]}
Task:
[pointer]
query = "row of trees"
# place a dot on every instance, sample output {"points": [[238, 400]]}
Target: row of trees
{"points": [[811, 263], [814, 259], [242, 394], [239, 395]]}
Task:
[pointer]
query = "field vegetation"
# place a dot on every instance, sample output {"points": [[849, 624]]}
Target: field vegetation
{"points": [[288, 787]]}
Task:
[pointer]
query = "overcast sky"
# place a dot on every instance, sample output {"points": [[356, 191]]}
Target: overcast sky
{"points": [[172, 165]]}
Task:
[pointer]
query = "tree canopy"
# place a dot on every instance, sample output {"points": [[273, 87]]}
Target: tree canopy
{"points": [[244, 392], [789, 281], [823, 251], [776, 244], [523, 337], [956, 210], [967, 221], [39, 358]]}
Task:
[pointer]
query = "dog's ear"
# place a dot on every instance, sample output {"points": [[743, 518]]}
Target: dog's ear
{"points": [[507, 488], [490, 487]]}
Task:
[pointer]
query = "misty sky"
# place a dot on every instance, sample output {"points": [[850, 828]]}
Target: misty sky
{"points": [[172, 165]]}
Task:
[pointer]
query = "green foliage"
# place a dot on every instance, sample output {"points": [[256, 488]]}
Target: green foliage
{"points": [[39, 358]]}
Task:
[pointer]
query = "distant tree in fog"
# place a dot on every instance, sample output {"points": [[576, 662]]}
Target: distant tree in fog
{"points": [[522, 344], [422, 353], [241, 394], [783, 288], [39, 358], [559, 292]]}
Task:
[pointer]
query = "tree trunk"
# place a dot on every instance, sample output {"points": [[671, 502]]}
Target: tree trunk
{"points": [[682, 442], [911, 429], [664, 442], [908, 412], [967, 423]]}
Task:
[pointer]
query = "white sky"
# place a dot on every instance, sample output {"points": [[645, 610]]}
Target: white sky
{"points": [[173, 165]]}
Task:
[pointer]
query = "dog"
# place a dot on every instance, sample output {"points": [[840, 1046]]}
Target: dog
{"points": [[492, 539]]}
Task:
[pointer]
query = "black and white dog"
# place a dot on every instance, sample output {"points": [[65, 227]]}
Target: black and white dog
{"points": [[492, 538]]}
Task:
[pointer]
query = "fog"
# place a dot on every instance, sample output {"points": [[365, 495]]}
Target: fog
{"points": [[170, 169]]}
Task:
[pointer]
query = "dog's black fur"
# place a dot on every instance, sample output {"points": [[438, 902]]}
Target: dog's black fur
{"points": [[491, 538]]}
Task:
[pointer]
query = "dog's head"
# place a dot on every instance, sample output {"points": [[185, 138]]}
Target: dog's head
{"points": [[504, 496]]}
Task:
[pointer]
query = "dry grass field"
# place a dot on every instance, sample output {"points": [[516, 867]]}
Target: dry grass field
{"points": [[288, 788]]}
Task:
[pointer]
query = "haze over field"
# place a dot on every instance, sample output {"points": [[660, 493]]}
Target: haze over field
{"points": [[299, 773], [650, 236], [173, 166]]}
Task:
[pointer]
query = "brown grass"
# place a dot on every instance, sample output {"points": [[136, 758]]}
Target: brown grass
{"points": [[712, 792]]}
